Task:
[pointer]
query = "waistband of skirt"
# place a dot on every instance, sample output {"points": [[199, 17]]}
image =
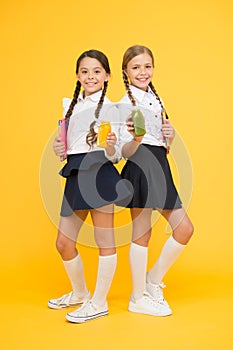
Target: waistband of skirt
{"points": [[82, 161]]}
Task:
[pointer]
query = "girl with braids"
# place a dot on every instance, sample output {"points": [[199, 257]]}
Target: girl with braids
{"points": [[148, 171], [91, 180]]}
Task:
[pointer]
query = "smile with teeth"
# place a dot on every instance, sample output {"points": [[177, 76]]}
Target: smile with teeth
{"points": [[142, 79]]}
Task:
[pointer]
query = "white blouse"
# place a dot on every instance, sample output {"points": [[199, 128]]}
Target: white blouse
{"points": [[83, 115], [152, 111]]}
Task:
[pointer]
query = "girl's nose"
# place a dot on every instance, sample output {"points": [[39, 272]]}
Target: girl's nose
{"points": [[142, 70], [90, 75]]}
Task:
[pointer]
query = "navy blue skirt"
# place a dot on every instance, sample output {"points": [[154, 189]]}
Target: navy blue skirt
{"points": [[92, 182], [149, 177]]}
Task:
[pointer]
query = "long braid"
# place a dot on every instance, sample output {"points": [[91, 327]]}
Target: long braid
{"points": [[101, 101], [129, 54], [164, 113], [74, 101], [129, 92], [158, 98], [92, 135]]}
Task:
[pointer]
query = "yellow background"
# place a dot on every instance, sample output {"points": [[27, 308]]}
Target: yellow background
{"points": [[192, 43]]}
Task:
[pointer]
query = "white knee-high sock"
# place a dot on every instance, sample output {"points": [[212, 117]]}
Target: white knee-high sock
{"points": [[138, 256], [170, 252], [106, 270], [75, 272]]}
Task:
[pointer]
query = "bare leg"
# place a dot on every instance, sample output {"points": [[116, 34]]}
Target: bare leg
{"points": [[104, 236], [66, 246], [182, 232], [69, 228], [180, 223], [138, 254], [141, 220], [103, 229], [141, 301]]}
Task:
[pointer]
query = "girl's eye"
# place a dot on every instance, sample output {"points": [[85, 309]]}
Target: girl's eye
{"points": [[136, 67], [97, 72], [84, 72], [149, 66]]}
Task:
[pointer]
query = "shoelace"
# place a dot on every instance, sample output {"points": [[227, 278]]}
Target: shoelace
{"points": [[65, 299], [158, 289], [86, 308], [149, 299], [89, 304]]}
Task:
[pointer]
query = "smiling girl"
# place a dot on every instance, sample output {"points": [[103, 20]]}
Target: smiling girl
{"points": [[148, 171], [91, 181]]}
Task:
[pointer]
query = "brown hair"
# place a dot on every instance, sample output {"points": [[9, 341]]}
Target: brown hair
{"points": [[129, 54], [99, 56]]}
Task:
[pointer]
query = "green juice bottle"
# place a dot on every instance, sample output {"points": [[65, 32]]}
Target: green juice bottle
{"points": [[139, 122]]}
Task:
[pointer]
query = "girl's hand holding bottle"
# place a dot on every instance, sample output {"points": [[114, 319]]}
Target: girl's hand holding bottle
{"points": [[131, 130], [111, 142], [106, 138], [111, 139], [59, 147]]}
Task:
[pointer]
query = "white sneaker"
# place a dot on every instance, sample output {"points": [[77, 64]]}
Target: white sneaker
{"points": [[147, 305], [156, 291], [87, 312], [67, 300]]}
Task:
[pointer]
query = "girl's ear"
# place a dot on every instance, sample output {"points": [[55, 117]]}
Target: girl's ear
{"points": [[126, 73], [107, 77]]}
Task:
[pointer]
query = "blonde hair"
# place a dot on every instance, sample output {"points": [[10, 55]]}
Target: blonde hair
{"points": [[129, 54]]}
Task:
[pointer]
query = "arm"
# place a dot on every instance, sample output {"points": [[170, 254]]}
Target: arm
{"points": [[110, 151], [58, 147], [168, 131], [129, 148]]}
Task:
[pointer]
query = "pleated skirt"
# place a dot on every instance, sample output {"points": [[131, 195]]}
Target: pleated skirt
{"points": [[149, 179], [92, 182]]}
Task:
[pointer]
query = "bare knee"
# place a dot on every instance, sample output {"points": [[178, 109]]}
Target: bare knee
{"points": [[66, 247], [142, 240], [184, 232], [188, 229]]}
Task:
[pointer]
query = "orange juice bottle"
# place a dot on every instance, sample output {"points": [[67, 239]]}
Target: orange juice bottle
{"points": [[104, 129]]}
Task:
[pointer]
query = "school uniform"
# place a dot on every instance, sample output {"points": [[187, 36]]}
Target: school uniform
{"points": [[147, 170], [92, 181]]}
